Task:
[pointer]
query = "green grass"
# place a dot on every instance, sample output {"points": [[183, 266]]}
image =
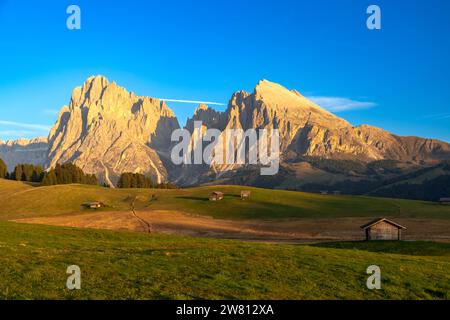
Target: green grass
{"points": [[413, 248], [19, 200], [117, 265]]}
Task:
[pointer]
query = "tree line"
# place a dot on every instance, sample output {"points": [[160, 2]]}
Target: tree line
{"points": [[66, 174], [22, 172], [136, 180], [70, 173], [62, 174]]}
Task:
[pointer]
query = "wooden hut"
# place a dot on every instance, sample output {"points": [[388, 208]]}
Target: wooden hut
{"points": [[383, 229], [216, 196], [245, 194], [444, 201], [94, 205]]}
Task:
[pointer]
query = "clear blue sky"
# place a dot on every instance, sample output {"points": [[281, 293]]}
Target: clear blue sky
{"points": [[397, 78]]}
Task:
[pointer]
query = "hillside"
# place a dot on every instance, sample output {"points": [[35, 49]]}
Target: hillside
{"points": [[22, 201], [169, 267]]}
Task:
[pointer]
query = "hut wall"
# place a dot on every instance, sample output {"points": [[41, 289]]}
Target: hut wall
{"points": [[383, 231]]}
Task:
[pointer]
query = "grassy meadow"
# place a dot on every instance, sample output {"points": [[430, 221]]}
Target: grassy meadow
{"points": [[126, 265], [19, 200], [121, 265]]}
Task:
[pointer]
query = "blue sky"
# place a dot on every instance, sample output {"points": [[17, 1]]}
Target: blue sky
{"points": [[396, 78]]}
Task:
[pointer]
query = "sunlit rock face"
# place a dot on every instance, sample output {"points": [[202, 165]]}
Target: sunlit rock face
{"points": [[307, 130], [106, 131]]}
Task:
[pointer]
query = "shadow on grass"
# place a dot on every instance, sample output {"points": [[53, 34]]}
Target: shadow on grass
{"points": [[412, 248], [194, 198]]}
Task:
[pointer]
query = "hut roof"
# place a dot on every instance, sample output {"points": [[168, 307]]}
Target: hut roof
{"points": [[444, 199], [379, 220]]}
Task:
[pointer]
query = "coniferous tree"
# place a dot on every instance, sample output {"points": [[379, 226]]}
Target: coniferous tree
{"points": [[18, 173], [50, 178], [134, 180], [3, 170], [27, 172], [66, 174]]}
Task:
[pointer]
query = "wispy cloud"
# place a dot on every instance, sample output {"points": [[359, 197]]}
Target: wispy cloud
{"points": [[340, 104], [15, 133], [33, 127], [438, 116], [50, 112], [193, 102]]}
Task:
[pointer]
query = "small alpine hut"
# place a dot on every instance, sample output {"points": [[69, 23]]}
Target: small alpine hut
{"points": [[444, 201], [383, 229], [216, 196], [245, 194], [94, 205]]}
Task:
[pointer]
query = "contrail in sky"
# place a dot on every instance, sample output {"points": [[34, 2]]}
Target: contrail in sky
{"points": [[194, 101]]}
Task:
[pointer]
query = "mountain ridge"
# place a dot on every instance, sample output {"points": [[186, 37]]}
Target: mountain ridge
{"points": [[107, 130]]}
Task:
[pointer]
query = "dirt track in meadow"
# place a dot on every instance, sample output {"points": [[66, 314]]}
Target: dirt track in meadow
{"points": [[176, 222]]}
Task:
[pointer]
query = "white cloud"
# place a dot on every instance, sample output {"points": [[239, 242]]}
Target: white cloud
{"points": [[193, 102], [340, 104], [33, 127]]}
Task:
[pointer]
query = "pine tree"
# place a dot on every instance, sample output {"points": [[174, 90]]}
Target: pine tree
{"points": [[66, 174], [134, 180], [18, 173], [50, 178], [3, 170]]}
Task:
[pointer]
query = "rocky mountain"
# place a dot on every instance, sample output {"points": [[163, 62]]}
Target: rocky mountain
{"points": [[33, 151], [309, 131], [106, 130]]}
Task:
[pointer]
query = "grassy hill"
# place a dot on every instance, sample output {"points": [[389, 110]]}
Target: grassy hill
{"points": [[21, 200], [116, 265], [122, 265]]}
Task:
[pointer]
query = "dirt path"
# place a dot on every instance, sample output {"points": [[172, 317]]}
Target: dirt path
{"points": [[144, 222], [293, 230]]}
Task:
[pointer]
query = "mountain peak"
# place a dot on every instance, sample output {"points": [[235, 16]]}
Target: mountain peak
{"points": [[97, 79], [201, 107], [266, 84], [273, 91], [95, 83]]}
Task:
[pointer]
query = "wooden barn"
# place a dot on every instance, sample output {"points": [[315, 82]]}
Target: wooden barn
{"points": [[245, 194], [383, 229], [444, 201], [216, 196], [94, 205]]}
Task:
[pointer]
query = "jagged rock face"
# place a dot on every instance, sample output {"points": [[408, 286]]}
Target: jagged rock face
{"points": [[310, 130], [106, 131], [33, 151], [306, 129]]}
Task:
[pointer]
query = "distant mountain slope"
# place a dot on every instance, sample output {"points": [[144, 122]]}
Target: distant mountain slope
{"points": [[32, 151]]}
